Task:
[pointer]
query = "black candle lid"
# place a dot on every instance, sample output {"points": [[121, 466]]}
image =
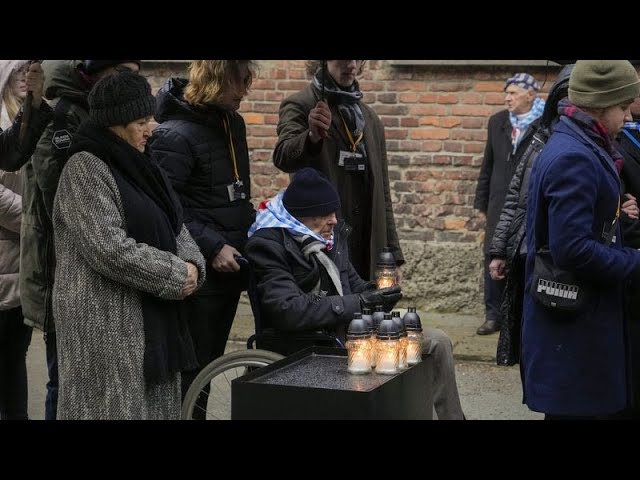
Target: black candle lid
{"points": [[386, 258]]}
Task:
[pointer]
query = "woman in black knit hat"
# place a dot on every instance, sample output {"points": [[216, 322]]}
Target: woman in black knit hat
{"points": [[124, 259]]}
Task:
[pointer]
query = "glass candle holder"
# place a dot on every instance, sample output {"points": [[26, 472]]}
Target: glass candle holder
{"points": [[377, 317], [414, 347], [402, 349], [373, 330], [387, 347], [413, 327], [386, 269], [358, 356], [358, 346]]}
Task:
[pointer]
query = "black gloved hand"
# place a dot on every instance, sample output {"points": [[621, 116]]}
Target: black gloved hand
{"points": [[371, 285], [387, 297]]}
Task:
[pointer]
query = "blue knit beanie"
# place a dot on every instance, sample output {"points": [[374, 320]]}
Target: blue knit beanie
{"points": [[310, 194], [94, 66]]}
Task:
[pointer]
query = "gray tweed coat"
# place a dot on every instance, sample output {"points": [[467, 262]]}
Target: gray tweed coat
{"points": [[99, 276]]}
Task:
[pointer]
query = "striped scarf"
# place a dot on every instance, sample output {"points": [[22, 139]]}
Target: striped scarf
{"points": [[273, 214], [520, 123], [593, 128], [347, 101]]}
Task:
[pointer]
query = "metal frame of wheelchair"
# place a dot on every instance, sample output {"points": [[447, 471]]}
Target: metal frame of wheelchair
{"points": [[264, 347]]}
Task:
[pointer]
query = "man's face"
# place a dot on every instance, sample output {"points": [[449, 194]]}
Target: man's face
{"points": [[321, 225], [518, 100], [344, 71]]}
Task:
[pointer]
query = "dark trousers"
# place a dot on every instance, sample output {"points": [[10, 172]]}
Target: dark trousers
{"points": [[15, 338], [493, 291], [210, 318], [51, 402]]}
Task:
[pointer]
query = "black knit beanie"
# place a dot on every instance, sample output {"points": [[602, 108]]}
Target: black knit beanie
{"points": [[94, 66], [603, 83], [120, 99], [310, 194]]}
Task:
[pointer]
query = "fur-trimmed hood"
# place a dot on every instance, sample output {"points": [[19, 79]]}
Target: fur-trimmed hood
{"points": [[6, 67]]}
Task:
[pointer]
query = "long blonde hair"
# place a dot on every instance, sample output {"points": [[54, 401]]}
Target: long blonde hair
{"points": [[8, 101], [11, 103], [209, 79]]}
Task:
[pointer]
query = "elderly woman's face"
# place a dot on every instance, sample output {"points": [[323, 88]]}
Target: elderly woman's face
{"points": [[135, 133]]}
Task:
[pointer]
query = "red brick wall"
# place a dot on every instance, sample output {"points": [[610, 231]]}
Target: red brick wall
{"points": [[435, 119]]}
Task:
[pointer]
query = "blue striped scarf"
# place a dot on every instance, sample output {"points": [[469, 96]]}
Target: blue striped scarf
{"points": [[520, 124], [276, 216]]}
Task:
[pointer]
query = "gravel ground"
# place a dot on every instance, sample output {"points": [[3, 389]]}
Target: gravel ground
{"points": [[490, 392]]}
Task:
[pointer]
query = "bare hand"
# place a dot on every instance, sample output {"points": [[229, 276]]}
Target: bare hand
{"points": [[225, 260], [497, 268], [35, 83], [319, 122], [191, 282], [630, 206]]}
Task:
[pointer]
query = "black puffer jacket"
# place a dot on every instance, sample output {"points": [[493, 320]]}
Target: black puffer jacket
{"points": [[285, 279], [193, 147], [630, 177], [510, 231]]}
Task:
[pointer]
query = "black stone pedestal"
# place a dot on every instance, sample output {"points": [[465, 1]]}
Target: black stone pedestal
{"points": [[314, 384]]}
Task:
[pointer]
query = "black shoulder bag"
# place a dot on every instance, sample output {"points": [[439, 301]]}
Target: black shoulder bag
{"points": [[558, 289]]}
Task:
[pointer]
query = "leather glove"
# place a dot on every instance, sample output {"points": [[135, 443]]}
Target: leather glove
{"points": [[387, 297], [371, 285]]}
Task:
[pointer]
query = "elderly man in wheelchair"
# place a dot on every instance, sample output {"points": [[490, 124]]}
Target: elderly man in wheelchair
{"points": [[305, 291]]}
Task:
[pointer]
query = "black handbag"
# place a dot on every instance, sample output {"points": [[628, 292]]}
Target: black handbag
{"points": [[555, 288], [559, 289]]}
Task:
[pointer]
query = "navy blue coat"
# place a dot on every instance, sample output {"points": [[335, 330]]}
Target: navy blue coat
{"points": [[574, 364]]}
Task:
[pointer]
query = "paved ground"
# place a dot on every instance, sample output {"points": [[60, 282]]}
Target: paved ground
{"points": [[487, 392]]}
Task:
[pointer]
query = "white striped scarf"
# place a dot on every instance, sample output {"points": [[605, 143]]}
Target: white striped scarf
{"points": [[275, 215]]}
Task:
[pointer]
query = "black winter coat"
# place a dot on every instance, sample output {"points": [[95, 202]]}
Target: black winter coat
{"points": [[285, 279], [498, 167], [630, 177], [13, 154], [193, 147], [509, 233]]}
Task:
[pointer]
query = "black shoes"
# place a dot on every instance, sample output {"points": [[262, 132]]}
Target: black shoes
{"points": [[488, 327]]}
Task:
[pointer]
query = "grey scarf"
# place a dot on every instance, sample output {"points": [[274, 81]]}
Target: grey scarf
{"points": [[317, 248], [347, 101]]}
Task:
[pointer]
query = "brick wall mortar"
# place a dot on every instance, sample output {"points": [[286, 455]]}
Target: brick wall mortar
{"points": [[435, 119]]}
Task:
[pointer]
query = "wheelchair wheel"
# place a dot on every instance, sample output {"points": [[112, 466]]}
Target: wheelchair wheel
{"points": [[218, 375]]}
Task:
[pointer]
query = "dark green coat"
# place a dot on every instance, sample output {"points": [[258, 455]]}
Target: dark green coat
{"points": [[366, 206], [40, 182]]}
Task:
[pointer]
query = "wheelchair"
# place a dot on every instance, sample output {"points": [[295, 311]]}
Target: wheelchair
{"points": [[209, 395]]}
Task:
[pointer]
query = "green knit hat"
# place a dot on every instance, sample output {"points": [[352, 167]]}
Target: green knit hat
{"points": [[603, 83]]}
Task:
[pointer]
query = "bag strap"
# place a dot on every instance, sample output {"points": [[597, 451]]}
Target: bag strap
{"points": [[612, 230], [631, 137]]}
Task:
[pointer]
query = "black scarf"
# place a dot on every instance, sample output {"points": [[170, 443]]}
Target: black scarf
{"points": [[153, 216], [347, 101]]}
